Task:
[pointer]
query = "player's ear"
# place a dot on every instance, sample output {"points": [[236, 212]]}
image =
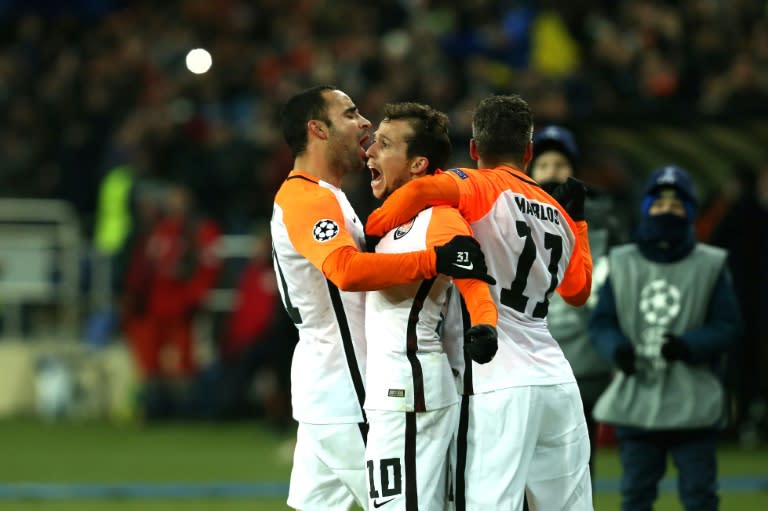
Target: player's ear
{"points": [[473, 150], [528, 155], [318, 129], [419, 165]]}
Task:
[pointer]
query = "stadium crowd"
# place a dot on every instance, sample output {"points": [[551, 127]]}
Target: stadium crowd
{"points": [[86, 85], [90, 87]]}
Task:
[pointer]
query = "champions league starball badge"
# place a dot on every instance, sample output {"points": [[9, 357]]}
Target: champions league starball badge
{"points": [[660, 302], [325, 230]]}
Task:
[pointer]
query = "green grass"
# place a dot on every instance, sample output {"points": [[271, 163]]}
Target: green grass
{"points": [[97, 452], [31, 451], [147, 505]]}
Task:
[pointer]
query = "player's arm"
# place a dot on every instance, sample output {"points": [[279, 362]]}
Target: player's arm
{"points": [[477, 296], [335, 253], [352, 270], [577, 281], [481, 340], [406, 202], [576, 285], [444, 225]]}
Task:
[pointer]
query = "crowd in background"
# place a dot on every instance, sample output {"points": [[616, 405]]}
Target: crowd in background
{"points": [[90, 90], [87, 85]]}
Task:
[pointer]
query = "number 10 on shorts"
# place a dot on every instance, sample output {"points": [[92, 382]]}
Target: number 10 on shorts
{"points": [[391, 477]]}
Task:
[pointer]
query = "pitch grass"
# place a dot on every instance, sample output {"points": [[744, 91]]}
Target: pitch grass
{"points": [[203, 453]]}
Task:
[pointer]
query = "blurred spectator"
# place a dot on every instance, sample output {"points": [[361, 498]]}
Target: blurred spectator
{"points": [[738, 91], [71, 75], [555, 159], [251, 374], [743, 230], [666, 317], [169, 274]]}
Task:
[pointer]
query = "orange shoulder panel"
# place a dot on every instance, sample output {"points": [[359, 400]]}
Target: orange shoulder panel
{"points": [[305, 205], [480, 189], [446, 223]]}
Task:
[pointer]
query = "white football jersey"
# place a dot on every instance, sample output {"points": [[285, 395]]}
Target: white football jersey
{"points": [[530, 246], [413, 359], [312, 218]]}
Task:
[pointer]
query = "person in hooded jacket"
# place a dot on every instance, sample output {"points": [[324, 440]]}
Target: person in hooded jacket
{"points": [[666, 316]]}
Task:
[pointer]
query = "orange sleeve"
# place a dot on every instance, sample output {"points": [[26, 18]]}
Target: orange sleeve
{"points": [[577, 281], [352, 270], [336, 253], [406, 202], [477, 296], [445, 224]]}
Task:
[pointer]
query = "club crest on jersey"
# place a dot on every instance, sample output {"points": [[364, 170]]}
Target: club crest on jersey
{"points": [[325, 230], [459, 172], [404, 229]]}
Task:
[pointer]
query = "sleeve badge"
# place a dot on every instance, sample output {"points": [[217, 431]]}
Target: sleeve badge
{"points": [[325, 230]]}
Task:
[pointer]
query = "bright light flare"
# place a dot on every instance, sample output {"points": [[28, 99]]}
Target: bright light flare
{"points": [[199, 61]]}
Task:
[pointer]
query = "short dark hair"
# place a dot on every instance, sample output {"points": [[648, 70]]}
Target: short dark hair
{"points": [[430, 132], [298, 111], [502, 127]]}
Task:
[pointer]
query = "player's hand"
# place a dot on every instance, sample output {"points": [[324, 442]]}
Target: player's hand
{"points": [[482, 342], [462, 258], [674, 348], [571, 196], [371, 242], [624, 356]]}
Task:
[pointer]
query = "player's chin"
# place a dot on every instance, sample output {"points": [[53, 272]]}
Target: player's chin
{"points": [[378, 189]]}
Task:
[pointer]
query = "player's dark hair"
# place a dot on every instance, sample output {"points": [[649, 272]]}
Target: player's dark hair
{"points": [[430, 132], [298, 111], [502, 127]]}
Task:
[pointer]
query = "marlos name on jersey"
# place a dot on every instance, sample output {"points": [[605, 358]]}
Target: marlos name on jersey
{"points": [[538, 210]]}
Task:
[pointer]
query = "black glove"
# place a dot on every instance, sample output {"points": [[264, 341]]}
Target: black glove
{"points": [[674, 348], [371, 242], [462, 258], [571, 195], [482, 342], [624, 356]]}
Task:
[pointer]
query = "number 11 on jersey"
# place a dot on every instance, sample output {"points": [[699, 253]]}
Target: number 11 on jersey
{"points": [[514, 296]]}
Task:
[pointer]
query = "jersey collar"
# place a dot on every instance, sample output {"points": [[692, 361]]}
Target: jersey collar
{"points": [[301, 174], [519, 174]]}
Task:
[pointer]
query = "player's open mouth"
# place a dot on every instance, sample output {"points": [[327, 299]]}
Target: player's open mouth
{"points": [[364, 144], [375, 175]]}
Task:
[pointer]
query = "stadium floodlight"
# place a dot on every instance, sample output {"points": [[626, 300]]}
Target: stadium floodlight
{"points": [[199, 61]]}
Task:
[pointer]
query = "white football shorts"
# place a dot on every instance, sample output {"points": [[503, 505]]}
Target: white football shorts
{"points": [[407, 459], [328, 468], [523, 439]]}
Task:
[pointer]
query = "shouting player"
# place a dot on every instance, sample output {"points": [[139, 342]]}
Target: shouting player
{"points": [[412, 398]]}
